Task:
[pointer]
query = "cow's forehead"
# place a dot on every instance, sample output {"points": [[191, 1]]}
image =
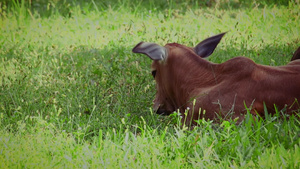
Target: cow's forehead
{"points": [[171, 46], [175, 45]]}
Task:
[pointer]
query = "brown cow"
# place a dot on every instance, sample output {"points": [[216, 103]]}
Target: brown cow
{"points": [[218, 90]]}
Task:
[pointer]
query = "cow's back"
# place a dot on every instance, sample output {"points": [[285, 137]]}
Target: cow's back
{"points": [[240, 83]]}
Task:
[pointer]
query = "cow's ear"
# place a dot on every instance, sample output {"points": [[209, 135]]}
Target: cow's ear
{"points": [[207, 46], [153, 50]]}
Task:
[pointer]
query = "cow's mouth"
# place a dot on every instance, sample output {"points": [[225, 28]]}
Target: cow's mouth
{"points": [[163, 112]]}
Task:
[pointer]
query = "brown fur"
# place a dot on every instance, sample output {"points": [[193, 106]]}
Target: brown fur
{"points": [[223, 89]]}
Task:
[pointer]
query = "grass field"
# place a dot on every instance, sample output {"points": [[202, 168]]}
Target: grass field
{"points": [[73, 95]]}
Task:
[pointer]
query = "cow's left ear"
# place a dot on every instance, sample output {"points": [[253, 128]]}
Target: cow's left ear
{"points": [[152, 50], [207, 46]]}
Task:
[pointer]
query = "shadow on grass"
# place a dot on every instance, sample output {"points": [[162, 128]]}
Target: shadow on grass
{"points": [[98, 89], [82, 87]]}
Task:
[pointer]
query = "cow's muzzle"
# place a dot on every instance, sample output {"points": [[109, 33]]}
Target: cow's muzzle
{"points": [[163, 112]]}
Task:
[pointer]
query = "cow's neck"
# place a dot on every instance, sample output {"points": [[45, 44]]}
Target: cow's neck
{"points": [[191, 76]]}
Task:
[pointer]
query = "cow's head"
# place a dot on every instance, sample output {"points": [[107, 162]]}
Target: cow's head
{"points": [[169, 68]]}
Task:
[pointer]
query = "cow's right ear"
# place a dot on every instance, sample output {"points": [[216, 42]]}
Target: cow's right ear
{"points": [[153, 50], [207, 46]]}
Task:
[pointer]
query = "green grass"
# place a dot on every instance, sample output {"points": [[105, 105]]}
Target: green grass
{"points": [[73, 95]]}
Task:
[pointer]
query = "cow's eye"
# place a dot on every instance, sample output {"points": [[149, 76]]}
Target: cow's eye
{"points": [[153, 73]]}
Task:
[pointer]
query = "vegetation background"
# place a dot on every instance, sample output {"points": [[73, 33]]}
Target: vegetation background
{"points": [[73, 95]]}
